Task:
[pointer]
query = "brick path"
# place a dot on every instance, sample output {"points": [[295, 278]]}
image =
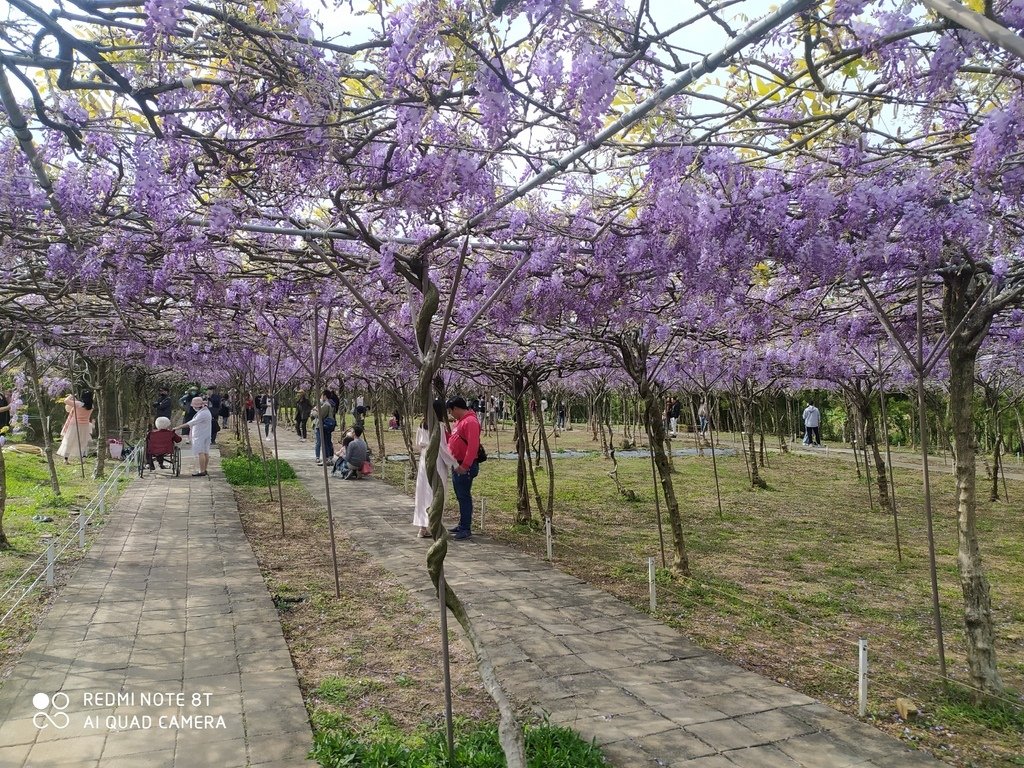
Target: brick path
{"points": [[589, 661], [168, 602]]}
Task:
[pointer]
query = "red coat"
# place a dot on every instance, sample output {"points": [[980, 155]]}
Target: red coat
{"points": [[160, 442], [464, 441]]}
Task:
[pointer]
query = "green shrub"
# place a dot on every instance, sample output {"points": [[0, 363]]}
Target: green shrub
{"points": [[547, 746], [250, 470]]}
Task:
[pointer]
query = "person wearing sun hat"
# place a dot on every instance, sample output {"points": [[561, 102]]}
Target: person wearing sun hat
{"points": [[201, 427]]}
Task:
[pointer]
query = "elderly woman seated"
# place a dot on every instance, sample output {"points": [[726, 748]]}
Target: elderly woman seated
{"points": [[160, 442]]}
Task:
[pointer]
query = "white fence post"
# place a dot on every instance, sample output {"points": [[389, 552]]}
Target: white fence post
{"points": [[81, 530], [651, 584], [547, 531], [103, 500], [862, 677], [50, 557], [483, 506]]}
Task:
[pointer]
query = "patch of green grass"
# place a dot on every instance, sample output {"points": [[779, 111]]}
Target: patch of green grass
{"points": [[959, 709], [825, 603], [547, 746], [341, 690], [325, 720], [624, 569], [250, 470]]}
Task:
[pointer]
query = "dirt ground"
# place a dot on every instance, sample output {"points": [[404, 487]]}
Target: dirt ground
{"points": [[371, 658]]}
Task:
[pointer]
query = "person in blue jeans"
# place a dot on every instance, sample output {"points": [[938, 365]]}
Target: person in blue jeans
{"points": [[464, 444], [324, 421]]}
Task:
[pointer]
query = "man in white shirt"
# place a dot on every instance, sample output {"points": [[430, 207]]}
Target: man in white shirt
{"points": [[812, 425], [201, 427]]}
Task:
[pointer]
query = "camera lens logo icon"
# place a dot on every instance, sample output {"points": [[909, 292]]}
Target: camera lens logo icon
{"points": [[43, 703]]}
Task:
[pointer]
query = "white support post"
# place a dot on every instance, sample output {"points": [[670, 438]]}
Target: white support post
{"points": [[406, 481], [651, 584], [103, 500], [50, 558], [862, 677], [81, 530], [547, 532]]}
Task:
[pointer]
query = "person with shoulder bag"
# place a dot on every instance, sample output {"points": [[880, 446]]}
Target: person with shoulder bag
{"points": [[464, 444]]}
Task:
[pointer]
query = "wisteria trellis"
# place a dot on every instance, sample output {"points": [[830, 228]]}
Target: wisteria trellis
{"points": [[174, 176]]}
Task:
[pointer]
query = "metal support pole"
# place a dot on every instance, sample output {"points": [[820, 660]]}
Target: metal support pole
{"points": [[547, 533], [103, 500], [81, 530], [651, 584], [50, 558], [447, 670], [862, 677]]}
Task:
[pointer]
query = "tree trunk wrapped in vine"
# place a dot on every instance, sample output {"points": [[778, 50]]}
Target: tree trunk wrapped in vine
{"points": [[100, 371], [522, 439], [510, 732], [634, 352], [967, 331]]}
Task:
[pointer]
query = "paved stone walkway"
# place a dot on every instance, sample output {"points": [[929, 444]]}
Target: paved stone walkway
{"points": [[589, 661], [942, 464], [164, 651]]}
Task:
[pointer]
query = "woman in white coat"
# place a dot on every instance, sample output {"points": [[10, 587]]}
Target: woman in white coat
{"points": [[445, 463], [77, 429]]}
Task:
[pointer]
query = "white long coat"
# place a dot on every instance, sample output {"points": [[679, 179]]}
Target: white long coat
{"points": [[445, 464]]}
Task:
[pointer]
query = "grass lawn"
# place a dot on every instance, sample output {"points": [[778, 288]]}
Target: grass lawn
{"points": [[788, 579], [28, 495]]}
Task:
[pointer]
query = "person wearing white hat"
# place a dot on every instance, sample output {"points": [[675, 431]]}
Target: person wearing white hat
{"points": [[201, 427]]}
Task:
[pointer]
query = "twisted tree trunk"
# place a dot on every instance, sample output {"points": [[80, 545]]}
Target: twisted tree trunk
{"points": [[510, 732], [747, 406], [860, 397], [44, 406], [4, 541], [548, 507], [100, 374], [522, 439], [967, 331], [634, 358]]}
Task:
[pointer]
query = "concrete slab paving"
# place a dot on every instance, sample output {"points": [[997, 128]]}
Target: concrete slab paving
{"points": [[585, 659], [162, 649]]}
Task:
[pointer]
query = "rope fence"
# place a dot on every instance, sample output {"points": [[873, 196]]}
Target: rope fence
{"points": [[57, 544]]}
